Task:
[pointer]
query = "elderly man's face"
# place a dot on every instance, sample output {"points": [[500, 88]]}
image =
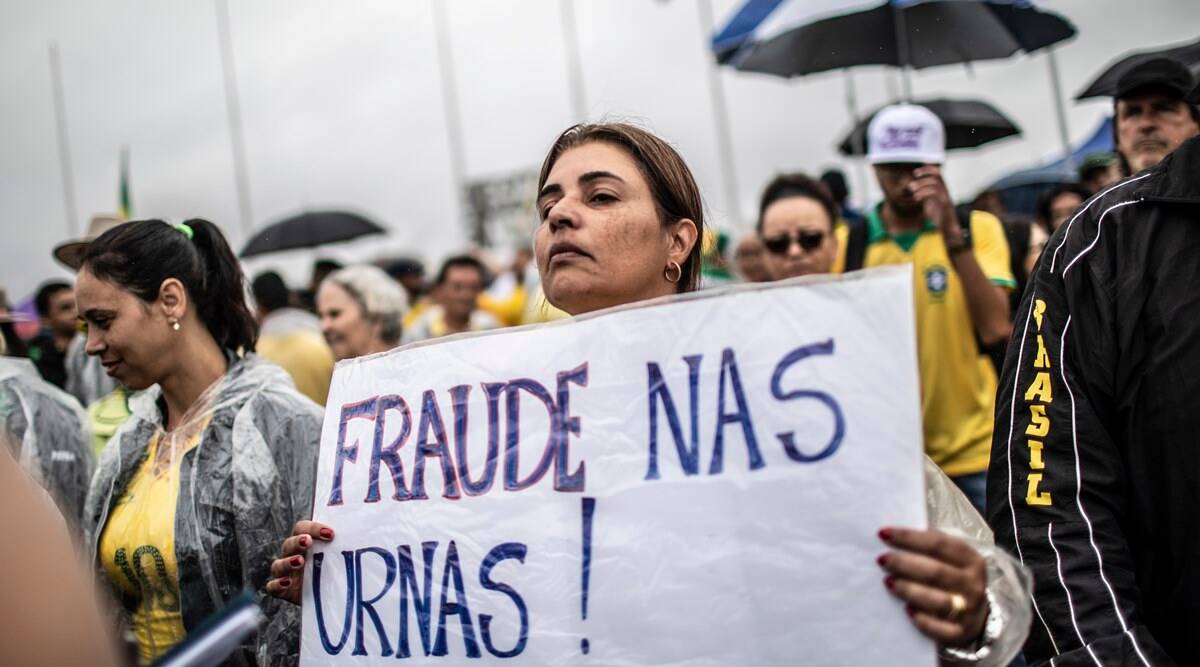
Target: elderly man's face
{"points": [[1150, 125], [748, 257]]}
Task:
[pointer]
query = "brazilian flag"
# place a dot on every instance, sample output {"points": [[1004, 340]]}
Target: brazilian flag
{"points": [[126, 202]]}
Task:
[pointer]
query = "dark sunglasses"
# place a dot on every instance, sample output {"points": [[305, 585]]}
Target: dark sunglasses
{"points": [[808, 241]]}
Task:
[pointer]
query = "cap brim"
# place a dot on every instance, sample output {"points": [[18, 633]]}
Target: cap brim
{"points": [[70, 254], [910, 158]]}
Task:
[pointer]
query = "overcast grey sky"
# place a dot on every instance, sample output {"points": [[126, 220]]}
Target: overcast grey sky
{"points": [[342, 106]]}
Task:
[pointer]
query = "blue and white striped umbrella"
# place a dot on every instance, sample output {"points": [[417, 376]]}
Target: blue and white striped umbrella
{"points": [[799, 37]]}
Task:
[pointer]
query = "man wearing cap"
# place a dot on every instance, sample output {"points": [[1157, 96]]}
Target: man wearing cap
{"points": [[961, 278], [1095, 472], [85, 377], [1151, 118], [1098, 171], [106, 402]]}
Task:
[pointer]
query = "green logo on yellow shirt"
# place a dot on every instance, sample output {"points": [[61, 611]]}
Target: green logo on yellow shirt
{"points": [[937, 280]]}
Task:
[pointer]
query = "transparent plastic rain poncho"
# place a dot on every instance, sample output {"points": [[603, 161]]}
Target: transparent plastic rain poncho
{"points": [[48, 433], [242, 487], [86, 379], [1009, 586]]}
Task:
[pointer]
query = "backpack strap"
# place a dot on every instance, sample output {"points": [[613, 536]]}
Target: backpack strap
{"points": [[856, 244]]}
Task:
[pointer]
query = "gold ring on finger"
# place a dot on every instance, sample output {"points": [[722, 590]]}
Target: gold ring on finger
{"points": [[958, 604]]}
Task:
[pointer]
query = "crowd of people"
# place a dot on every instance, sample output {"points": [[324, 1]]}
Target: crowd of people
{"points": [[175, 426]]}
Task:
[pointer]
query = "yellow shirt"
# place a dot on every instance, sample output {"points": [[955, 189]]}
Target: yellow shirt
{"points": [[958, 383], [106, 416], [137, 550], [508, 310], [305, 356], [415, 312]]}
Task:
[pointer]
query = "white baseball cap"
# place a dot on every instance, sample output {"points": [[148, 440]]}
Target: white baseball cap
{"points": [[906, 133]]}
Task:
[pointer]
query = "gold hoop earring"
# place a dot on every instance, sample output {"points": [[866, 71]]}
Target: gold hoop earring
{"points": [[678, 271]]}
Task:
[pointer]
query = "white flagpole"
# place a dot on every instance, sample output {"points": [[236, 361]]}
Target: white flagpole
{"points": [[716, 95], [453, 119], [233, 109], [64, 141], [574, 62]]}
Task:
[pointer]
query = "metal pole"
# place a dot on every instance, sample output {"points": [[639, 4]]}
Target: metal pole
{"points": [[1064, 134], [234, 111], [860, 168], [716, 95], [64, 140], [453, 119], [902, 51], [574, 62]]}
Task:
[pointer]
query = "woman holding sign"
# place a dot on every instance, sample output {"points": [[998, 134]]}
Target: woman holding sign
{"points": [[218, 458], [621, 218]]}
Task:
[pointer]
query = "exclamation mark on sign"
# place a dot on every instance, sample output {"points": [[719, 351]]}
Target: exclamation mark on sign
{"points": [[589, 508]]}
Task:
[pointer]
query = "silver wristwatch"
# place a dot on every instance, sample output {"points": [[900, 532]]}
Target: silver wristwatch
{"points": [[982, 648]]}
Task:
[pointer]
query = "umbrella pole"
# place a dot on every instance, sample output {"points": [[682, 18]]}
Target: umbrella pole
{"points": [[860, 169], [902, 51], [1056, 88]]}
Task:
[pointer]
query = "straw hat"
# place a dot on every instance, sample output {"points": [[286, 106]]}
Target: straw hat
{"points": [[71, 252]]}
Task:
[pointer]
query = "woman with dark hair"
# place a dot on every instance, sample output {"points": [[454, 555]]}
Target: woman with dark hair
{"points": [[797, 223], [217, 461], [1054, 209], [621, 218]]}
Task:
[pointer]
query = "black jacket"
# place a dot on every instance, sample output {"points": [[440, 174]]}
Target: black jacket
{"points": [[1095, 473]]}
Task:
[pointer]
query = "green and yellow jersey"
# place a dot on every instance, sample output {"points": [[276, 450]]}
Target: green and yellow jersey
{"points": [[958, 383]]}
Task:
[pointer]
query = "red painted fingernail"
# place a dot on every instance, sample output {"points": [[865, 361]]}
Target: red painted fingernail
{"points": [[285, 582], [304, 541], [910, 610], [885, 534], [296, 562], [882, 560], [327, 533], [890, 582]]}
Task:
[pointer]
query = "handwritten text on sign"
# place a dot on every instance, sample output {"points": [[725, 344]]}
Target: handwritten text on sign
{"points": [[695, 482]]}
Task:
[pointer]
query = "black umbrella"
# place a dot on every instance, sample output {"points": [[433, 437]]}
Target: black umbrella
{"points": [[969, 123], [309, 230], [790, 38], [1105, 85]]}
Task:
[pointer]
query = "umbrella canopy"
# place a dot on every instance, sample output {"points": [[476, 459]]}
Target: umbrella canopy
{"points": [[309, 230], [1105, 83], [799, 37], [969, 123], [1020, 190]]}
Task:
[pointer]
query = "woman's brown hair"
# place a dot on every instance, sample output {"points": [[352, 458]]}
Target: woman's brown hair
{"points": [[675, 193]]}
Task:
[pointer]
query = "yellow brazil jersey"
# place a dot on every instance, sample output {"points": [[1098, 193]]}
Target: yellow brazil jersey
{"points": [[958, 383], [137, 550], [305, 356]]}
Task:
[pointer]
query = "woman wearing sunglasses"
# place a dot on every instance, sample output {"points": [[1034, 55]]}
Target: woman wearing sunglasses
{"points": [[796, 223]]}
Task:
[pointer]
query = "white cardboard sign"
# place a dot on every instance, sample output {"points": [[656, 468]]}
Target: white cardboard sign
{"points": [[692, 482]]}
